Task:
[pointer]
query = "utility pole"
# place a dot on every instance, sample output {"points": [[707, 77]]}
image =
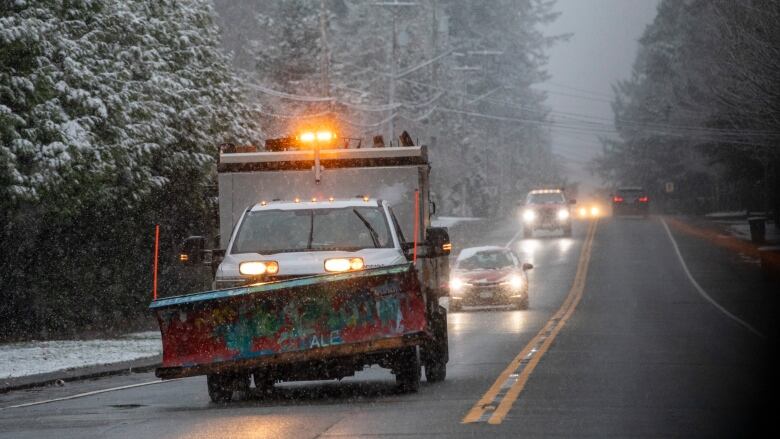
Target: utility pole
{"points": [[393, 72], [394, 59], [325, 58], [434, 41]]}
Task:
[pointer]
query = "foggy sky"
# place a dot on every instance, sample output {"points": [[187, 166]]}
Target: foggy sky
{"points": [[600, 52]]}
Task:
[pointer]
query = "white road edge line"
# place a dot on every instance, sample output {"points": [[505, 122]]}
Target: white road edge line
{"points": [[703, 293], [82, 395], [517, 235]]}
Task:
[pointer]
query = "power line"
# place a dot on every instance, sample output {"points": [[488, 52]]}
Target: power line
{"points": [[605, 126], [576, 125], [581, 90]]}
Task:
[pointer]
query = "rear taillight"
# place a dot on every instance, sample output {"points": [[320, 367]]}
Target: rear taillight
{"points": [[617, 199], [643, 199]]}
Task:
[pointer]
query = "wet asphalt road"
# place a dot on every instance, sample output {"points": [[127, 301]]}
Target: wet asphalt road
{"points": [[643, 354]]}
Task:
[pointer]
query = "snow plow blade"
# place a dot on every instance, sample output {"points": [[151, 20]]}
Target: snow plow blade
{"points": [[309, 318]]}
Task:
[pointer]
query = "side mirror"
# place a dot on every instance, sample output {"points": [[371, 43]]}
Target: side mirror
{"points": [[438, 241], [572, 201], [433, 207], [407, 248], [527, 266], [192, 250], [437, 244]]}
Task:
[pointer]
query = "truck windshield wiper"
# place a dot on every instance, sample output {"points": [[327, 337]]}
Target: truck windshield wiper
{"points": [[374, 235], [282, 250]]}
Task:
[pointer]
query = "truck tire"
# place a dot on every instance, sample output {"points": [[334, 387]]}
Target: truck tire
{"points": [[241, 384], [407, 369], [436, 353], [220, 387], [264, 382]]}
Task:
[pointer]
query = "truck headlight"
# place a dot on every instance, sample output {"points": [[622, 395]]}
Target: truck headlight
{"points": [[337, 265], [456, 285], [257, 268], [563, 214], [594, 211], [529, 216]]}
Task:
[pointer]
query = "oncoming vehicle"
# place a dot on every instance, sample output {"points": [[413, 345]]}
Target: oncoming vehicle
{"points": [[630, 201], [590, 209], [546, 209], [488, 276]]}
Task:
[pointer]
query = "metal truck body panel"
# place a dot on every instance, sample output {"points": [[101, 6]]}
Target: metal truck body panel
{"points": [[397, 185]]}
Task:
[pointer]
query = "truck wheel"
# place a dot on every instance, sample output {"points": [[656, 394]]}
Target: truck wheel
{"points": [[437, 351], [241, 384], [264, 382], [220, 387], [408, 366], [528, 233]]}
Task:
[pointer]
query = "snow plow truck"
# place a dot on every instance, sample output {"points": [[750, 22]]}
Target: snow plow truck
{"points": [[326, 263]]}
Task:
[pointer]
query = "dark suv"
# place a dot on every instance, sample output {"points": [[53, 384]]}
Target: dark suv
{"points": [[546, 209], [630, 201]]}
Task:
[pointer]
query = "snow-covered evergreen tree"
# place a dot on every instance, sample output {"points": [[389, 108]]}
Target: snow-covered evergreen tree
{"points": [[701, 107], [111, 111]]}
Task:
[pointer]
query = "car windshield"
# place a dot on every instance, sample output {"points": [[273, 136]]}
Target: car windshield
{"points": [[630, 193], [546, 198], [276, 231], [486, 260]]}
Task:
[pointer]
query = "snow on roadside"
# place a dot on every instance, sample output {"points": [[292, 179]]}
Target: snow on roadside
{"points": [[732, 214], [29, 358], [742, 231]]}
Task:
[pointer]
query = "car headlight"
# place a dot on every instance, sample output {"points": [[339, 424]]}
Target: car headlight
{"points": [[529, 215], [515, 282], [456, 284], [594, 211], [583, 212], [257, 268], [563, 214], [337, 265]]}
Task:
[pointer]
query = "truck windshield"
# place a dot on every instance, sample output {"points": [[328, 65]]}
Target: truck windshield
{"points": [[279, 231], [545, 198]]}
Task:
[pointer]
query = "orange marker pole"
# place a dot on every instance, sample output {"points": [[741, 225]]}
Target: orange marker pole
{"points": [[416, 223], [156, 253]]}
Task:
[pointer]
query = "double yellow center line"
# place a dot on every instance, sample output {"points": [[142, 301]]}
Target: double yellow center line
{"points": [[499, 398]]}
